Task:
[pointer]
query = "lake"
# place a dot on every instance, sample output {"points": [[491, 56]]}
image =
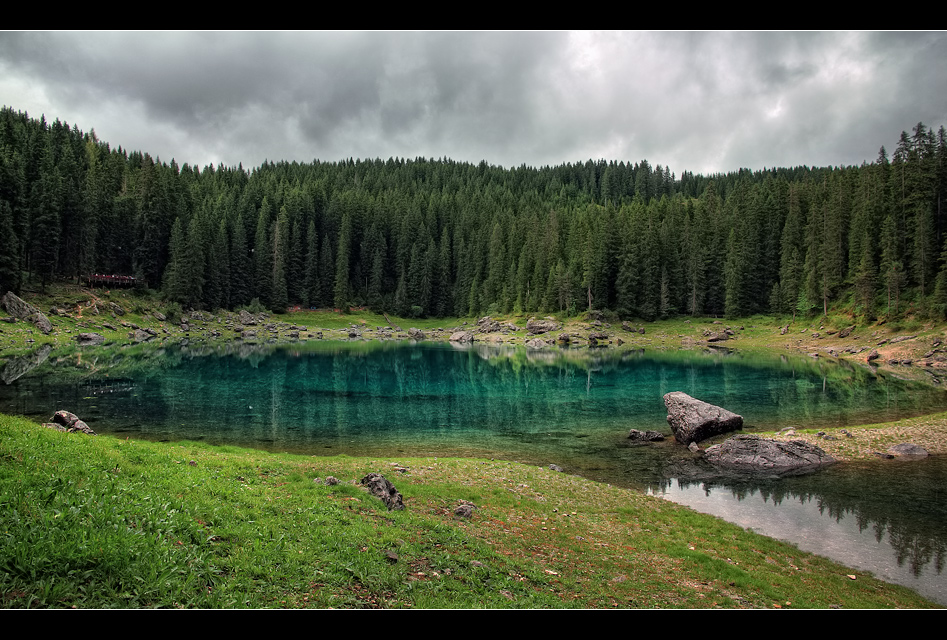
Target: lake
{"points": [[570, 407]]}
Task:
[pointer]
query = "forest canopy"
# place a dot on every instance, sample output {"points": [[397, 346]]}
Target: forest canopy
{"points": [[434, 237]]}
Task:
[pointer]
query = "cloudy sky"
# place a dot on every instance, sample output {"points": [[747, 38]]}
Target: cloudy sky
{"points": [[702, 102]]}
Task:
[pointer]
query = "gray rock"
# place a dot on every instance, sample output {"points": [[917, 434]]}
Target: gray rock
{"points": [[462, 337], [415, 334], [645, 436], [908, 450], [749, 453], [379, 487], [535, 327], [25, 311], [555, 467], [90, 338], [536, 343], [71, 423], [597, 336], [693, 420], [464, 510]]}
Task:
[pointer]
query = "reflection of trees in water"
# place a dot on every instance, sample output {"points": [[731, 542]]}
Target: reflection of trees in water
{"points": [[901, 501]]}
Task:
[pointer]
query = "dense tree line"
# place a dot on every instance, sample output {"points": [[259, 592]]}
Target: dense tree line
{"points": [[437, 237]]}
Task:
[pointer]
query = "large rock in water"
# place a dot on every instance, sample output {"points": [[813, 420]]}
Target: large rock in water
{"points": [[752, 454], [693, 420]]}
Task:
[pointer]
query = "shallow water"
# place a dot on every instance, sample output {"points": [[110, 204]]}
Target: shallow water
{"points": [[572, 407]]}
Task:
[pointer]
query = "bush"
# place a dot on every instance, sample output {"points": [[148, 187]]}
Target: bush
{"points": [[173, 312]]}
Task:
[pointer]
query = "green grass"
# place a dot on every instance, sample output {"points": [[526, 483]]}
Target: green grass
{"points": [[100, 522]]}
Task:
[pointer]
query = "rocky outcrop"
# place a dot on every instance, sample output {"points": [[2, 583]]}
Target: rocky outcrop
{"points": [[752, 454], [415, 334], [693, 420], [23, 310], [379, 487], [90, 338], [536, 343]]}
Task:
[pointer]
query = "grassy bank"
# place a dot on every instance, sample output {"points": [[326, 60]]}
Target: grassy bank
{"points": [[105, 522]]}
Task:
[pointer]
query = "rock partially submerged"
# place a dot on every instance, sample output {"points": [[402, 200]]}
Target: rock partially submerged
{"points": [[752, 454], [645, 436], [379, 487], [462, 337], [693, 420]]}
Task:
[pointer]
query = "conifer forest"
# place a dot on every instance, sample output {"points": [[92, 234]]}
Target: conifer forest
{"points": [[434, 237]]}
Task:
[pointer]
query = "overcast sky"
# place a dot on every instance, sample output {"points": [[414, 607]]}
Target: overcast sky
{"points": [[702, 102]]}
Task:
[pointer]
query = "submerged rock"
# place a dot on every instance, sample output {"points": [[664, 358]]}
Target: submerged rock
{"points": [[693, 420], [752, 454], [645, 436]]}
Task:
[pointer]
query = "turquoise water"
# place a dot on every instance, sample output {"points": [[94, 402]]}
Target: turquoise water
{"points": [[569, 407], [572, 407]]}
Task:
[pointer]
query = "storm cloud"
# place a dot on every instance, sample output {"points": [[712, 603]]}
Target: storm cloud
{"points": [[702, 102]]}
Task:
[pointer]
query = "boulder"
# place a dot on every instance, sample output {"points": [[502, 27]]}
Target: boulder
{"points": [[535, 327], [597, 336], [379, 487], [749, 453], [415, 334], [908, 450], [487, 324], [536, 343], [693, 420], [70, 423], [90, 338], [25, 311], [462, 337]]}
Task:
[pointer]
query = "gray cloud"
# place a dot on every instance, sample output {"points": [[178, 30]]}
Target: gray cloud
{"points": [[697, 101]]}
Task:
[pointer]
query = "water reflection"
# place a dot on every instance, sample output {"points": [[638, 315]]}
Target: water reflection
{"points": [[887, 517]]}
